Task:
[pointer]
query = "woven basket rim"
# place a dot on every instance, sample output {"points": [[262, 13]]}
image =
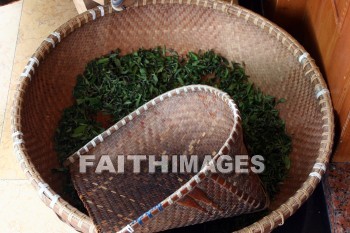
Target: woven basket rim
{"points": [[82, 222]]}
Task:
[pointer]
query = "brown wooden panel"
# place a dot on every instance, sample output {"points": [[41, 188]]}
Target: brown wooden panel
{"points": [[340, 8], [288, 14]]}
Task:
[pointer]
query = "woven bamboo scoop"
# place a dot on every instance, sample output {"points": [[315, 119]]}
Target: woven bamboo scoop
{"points": [[192, 120]]}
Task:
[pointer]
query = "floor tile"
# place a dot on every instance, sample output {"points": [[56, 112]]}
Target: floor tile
{"points": [[23, 211], [9, 23]]}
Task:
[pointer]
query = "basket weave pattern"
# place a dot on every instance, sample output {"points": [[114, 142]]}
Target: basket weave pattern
{"points": [[193, 120], [275, 62]]}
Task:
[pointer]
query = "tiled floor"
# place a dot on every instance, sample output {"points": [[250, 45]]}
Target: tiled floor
{"points": [[22, 210], [10, 16], [23, 26], [337, 190]]}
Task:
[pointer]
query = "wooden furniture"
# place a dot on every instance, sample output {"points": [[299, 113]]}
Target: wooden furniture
{"points": [[323, 27]]}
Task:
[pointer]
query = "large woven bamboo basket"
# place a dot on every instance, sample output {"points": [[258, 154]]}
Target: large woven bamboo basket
{"points": [[275, 62]]}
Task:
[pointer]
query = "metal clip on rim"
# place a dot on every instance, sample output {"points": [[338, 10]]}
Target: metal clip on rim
{"points": [[117, 5]]}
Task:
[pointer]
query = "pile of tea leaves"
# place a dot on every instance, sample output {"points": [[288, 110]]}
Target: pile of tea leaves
{"points": [[113, 86]]}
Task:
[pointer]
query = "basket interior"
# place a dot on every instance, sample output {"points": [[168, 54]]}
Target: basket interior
{"points": [[269, 63]]}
